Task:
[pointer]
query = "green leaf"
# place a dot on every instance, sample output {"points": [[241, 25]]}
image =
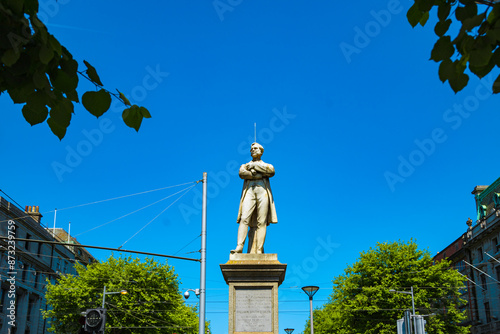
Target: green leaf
{"points": [[124, 98], [444, 10], [494, 34], [495, 58], [496, 85], [464, 43], [494, 14], [56, 46], [482, 71], [10, 57], [144, 112], [15, 5], [69, 66], [20, 94], [480, 57], [414, 15], [92, 73], [97, 103], [40, 80], [132, 117], [442, 27], [64, 82], [443, 49], [35, 110], [56, 128], [468, 11], [31, 6], [425, 5], [60, 117], [73, 96], [446, 70], [424, 19], [458, 82], [472, 22], [46, 54]]}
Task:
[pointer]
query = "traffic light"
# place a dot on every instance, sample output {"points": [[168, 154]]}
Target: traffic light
{"points": [[95, 320]]}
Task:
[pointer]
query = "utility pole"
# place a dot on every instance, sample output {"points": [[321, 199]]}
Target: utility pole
{"points": [[203, 251]]}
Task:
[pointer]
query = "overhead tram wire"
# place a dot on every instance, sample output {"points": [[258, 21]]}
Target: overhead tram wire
{"points": [[99, 247], [142, 228], [95, 202], [19, 205], [189, 243], [128, 214], [125, 196]]}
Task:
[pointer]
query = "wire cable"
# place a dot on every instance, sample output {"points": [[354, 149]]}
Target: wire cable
{"points": [[186, 191], [128, 214], [189, 243], [19, 205], [125, 196]]}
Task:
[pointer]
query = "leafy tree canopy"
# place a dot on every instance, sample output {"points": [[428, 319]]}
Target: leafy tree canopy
{"points": [[362, 303], [153, 303], [40, 73], [474, 45]]}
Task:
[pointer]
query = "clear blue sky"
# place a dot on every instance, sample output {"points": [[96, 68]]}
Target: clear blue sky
{"points": [[343, 95]]}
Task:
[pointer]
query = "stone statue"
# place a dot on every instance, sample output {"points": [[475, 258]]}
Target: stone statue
{"points": [[257, 208]]}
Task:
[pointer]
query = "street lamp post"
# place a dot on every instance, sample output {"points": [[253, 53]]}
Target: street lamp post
{"points": [[104, 293], [412, 305], [310, 291], [288, 330]]}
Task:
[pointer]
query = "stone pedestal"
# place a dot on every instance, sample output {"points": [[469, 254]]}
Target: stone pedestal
{"points": [[253, 281]]}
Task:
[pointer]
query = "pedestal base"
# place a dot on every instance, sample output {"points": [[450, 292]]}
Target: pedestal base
{"points": [[253, 281]]}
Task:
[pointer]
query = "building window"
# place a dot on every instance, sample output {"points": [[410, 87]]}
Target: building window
{"points": [[31, 304], [39, 251], [495, 245], [497, 270], [496, 200], [16, 235], [483, 282], [27, 243], [25, 270], [487, 311], [4, 299], [460, 266], [480, 254]]}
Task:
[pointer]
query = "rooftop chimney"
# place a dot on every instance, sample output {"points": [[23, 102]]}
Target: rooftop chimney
{"points": [[33, 212]]}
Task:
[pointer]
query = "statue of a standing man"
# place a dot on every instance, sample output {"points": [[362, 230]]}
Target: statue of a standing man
{"points": [[257, 208]]}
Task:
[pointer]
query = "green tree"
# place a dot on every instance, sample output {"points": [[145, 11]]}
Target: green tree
{"points": [[475, 44], [362, 303], [40, 73], [153, 303]]}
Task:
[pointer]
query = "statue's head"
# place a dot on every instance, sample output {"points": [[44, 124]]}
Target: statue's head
{"points": [[256, 150]]}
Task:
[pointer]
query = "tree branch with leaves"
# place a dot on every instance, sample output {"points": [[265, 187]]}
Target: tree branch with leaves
{"points": [[40, 73], [473, 46]]}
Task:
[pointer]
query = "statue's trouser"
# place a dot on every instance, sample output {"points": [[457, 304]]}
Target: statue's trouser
{"points": [[256, 198]]}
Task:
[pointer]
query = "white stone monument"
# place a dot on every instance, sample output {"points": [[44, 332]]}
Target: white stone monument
{"points": [[254, 278]]}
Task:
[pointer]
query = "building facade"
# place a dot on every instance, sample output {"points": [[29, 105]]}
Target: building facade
{"points": [[25, 267], [476, 255]]}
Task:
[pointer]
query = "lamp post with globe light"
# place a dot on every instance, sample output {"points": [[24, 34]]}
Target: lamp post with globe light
{"points": [[310, 290], [288, 330]]}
